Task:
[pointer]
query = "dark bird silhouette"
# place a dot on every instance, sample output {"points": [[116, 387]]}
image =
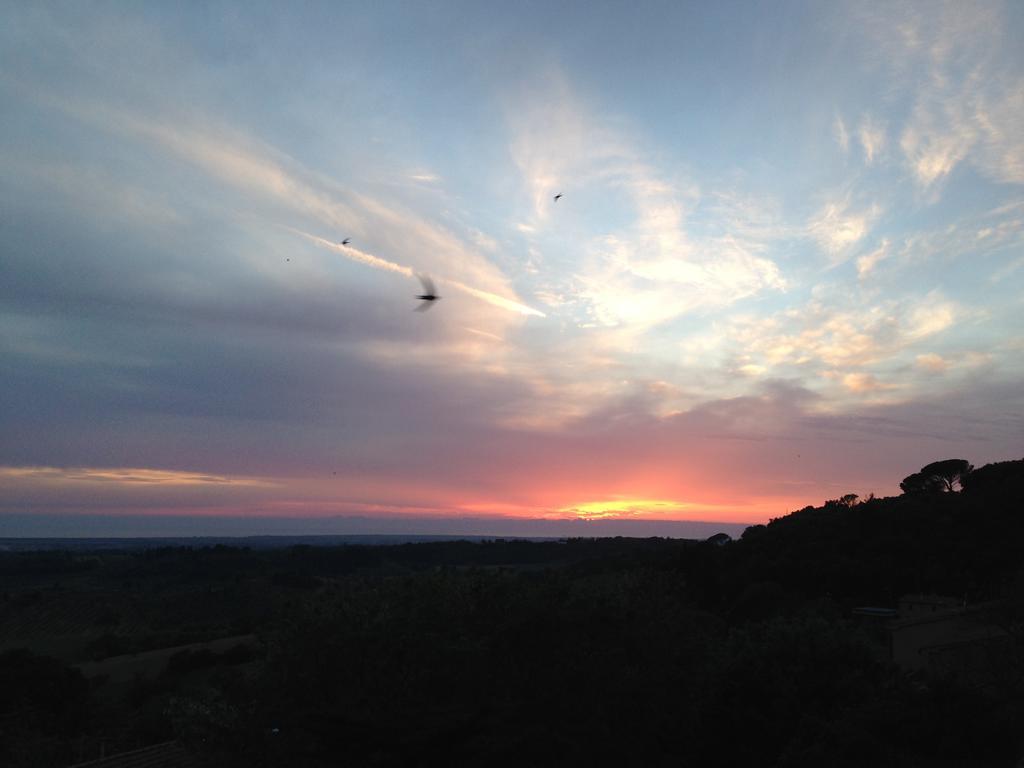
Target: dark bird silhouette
{"points": [[346, 241], [429, 295], [558, 196]]}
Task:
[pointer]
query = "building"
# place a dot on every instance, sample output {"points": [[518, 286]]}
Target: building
{"points": [[170, 754], [944, 636]]}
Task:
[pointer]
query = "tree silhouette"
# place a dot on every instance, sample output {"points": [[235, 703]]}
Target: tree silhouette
{"points": [[939, 476], [949, 472], [919, 482], [1001, 478]]}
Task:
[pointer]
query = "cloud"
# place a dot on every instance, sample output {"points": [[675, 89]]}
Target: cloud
{"points": [[837, 228], [956, 61], [619, 459], [826, 334], [932, 363], [863, 382], [972, 236], [932, 151], [650, 268], [1000, 119], [873, 138], [930, 316], [636, 284], [255, 168], [38, 488], [867, 262], [842, 136], [123, 476]]}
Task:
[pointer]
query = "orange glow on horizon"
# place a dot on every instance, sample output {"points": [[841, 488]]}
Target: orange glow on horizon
{"points": [[165, 491], [624, 507]]}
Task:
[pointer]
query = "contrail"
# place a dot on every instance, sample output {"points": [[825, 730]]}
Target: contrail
{"points": [[354, 254], [498, 301]]}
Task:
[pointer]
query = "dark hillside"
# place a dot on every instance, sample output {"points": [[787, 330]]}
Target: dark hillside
{"points": [[882, 632]]}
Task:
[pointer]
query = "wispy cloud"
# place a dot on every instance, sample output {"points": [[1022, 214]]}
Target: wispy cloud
{"points": [[856, 340], [125, 476], [842, 135], [968, 106], [651, 268], [867, 262], [838, 228], [873, 138], [935, 144], [256, 168]]}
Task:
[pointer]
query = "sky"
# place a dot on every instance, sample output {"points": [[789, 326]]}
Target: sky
{"points": [[787, 263]]}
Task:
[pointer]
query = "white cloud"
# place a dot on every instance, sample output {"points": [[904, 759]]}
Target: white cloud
{"points": [[1000, 119], [873, 138], [844, 336], [867, 262], [837, 228], [973, 236], [958, 62], [935, 144], [931, 316], [271, 177], [651, 269]]}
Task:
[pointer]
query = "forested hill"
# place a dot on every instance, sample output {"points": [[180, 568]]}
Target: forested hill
{"points": [[965, 538]]}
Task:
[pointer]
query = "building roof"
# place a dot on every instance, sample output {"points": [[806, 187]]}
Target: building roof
{"points": [[871, 610], [170, 754]]}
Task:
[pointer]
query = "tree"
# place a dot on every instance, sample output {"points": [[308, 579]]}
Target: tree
{"points": [[939, 476], [949, 472], [919, 483], [1000, 478], [846, 501]]}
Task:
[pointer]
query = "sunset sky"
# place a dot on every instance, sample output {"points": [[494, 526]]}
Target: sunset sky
{"points": [[788, 262]]}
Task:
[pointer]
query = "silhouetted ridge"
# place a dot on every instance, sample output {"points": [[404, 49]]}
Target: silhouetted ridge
{"points": [[877, 631]]}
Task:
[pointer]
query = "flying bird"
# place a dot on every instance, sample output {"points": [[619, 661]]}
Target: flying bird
{"points": [[429, 295], [558, 196], [346, 241]]}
